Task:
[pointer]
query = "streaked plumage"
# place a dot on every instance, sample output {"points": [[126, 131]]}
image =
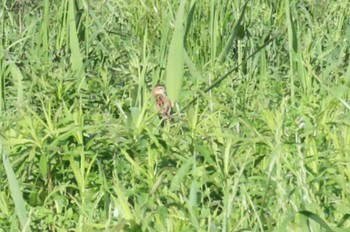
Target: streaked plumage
{"points": [[163, 104]]}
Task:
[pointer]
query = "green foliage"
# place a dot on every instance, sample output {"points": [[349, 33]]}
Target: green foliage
{"points": [[175, 63], [259, 141]]}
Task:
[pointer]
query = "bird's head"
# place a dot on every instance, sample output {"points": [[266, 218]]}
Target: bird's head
{"points": [[158, 90]]}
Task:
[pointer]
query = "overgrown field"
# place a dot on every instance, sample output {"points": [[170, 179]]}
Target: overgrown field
{"points": [[260, 135]]}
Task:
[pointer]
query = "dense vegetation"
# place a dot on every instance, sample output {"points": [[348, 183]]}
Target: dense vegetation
{"points": [[260, 137]]}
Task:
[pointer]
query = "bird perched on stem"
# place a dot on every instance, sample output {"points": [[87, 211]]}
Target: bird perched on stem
{"points": [[163, 104]]}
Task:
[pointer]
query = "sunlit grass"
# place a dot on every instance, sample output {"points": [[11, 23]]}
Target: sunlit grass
{"points": [[260, 136]]}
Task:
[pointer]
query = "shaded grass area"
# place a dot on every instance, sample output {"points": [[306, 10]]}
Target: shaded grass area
{"points": [[263, 149]]}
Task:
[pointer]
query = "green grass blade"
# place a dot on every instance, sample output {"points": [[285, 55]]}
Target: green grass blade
{"points": [[15, 191], [45, 31], [295, 53], [317, 219], [77, 174], [236, 30], [175, 63], [343, 220], [18, 77], [180, 174], [219, 80], [284, 224], [189, 20], [292, 46], [122, 202], [76, 57]]}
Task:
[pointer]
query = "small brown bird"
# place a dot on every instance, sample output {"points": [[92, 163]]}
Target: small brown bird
{"points": [[163, 104]]}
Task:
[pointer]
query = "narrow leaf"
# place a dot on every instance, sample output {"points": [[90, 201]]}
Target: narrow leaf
{"points": [[15, 192], [181, 173], [122, 202], [76, 57], [317, 219], [189, 19], [235, 33], [18, 77]]}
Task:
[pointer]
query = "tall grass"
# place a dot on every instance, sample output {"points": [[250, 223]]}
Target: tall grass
{"points": [[259, 142]]}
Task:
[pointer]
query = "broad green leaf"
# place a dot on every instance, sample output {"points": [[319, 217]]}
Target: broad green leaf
{"points": [[175, 63]]}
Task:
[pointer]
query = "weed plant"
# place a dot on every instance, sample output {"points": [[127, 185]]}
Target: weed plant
{"points": [[260, 136]]}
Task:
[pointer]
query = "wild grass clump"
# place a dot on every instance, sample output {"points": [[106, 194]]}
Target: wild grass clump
{"points": [[259, 136]]}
